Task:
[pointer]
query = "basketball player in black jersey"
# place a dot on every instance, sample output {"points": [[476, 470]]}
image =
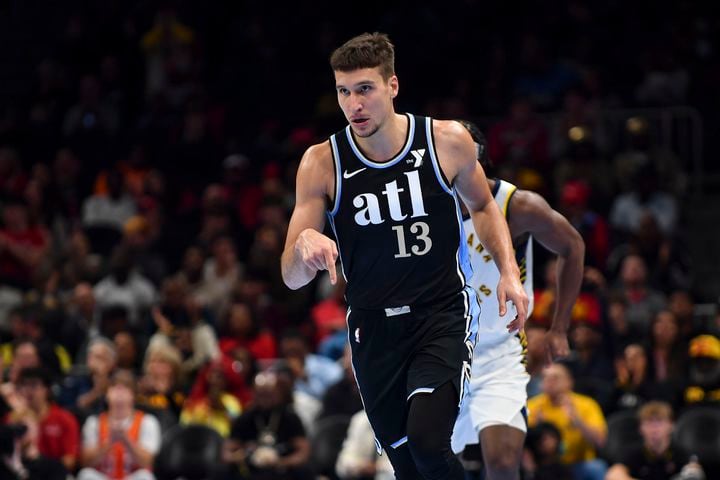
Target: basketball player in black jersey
{"points": [[387, 184], [528, 214]]}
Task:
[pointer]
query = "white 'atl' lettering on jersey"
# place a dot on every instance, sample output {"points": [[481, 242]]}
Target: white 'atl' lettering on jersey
{"points": [[368, 204]]}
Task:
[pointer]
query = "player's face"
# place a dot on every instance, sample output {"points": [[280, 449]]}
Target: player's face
{"points": [[366, 99]]}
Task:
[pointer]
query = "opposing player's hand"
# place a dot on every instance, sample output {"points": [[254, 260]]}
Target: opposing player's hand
{"points": [[318, 252], [510, 289], [556, 346]]}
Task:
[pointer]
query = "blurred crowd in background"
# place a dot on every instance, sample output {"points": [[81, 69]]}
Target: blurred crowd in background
{"points": [[147, 163]]}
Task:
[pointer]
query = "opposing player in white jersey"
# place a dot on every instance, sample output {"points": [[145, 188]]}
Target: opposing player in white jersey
{"points": [[496, 411]]}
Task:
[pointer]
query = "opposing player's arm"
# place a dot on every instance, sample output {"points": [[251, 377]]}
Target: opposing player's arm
{"points": [[457, 157], [530, 213], [307, 250]]}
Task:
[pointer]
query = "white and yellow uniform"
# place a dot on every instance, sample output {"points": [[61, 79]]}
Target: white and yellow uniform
{"points": [[499, 378]]}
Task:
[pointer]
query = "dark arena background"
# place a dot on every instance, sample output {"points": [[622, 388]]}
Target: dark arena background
{"points": [[148, 153]]}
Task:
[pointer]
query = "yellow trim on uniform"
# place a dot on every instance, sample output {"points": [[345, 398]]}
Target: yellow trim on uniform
{"points": [[510, 192], [522, 336]]}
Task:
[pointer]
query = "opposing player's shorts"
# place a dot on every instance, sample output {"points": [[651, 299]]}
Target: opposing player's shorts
{"points": [[497, 391], [408, 350]]}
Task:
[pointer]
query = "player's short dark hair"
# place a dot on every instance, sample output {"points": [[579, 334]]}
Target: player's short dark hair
{"points": [[368, 50], [481, 144]]}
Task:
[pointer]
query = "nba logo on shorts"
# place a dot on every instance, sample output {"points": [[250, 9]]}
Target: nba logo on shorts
{"points": [[357, 335]]}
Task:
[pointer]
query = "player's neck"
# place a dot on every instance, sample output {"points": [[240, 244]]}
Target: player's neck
{"points": [[388, 140]]}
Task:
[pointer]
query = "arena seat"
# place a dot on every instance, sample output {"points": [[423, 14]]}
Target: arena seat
{"points": [[697, 431], [623, 432], [193, 452]]}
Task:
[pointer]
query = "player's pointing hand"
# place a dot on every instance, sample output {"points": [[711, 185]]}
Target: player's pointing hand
{"points": [[318, 252]]}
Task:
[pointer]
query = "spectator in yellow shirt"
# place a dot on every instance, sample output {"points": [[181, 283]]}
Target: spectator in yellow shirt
{"points": [[218, 408], [577, 417]]}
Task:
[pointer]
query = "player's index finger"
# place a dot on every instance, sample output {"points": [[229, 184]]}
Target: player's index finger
{"points": [[501, 301], [330, 263]]}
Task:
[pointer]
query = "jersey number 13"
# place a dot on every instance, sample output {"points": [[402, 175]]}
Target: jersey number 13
{"points": [[422, 242]]}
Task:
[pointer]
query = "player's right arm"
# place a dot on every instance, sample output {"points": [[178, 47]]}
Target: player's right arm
{"points": [[307, 250], [458, 160]]}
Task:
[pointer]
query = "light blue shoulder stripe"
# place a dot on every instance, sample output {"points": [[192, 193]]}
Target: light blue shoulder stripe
{"points": [[433, 156], [338, 175]]}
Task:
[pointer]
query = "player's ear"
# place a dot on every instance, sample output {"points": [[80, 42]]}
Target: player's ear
{"points": [[394, 86]]}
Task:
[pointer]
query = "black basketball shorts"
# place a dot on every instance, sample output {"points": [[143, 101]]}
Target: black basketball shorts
{"points": [[404, 351]]}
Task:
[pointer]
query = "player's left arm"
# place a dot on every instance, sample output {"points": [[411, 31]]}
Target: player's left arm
{"points": [[530, 213], [457, 157]]}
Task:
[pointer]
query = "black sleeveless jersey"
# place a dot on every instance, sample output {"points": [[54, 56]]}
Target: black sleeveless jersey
{"points": [[398, 224]]}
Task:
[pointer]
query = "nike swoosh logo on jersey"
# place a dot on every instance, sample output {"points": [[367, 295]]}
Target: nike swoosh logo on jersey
{"points": [[350, 175]]}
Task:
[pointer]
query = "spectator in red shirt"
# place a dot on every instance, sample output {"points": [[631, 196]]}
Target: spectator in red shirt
{"points": [[520, 140], [242, 329], [243, 190], [235, 381], [22, 245], [592, 226], [58, 431]]}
